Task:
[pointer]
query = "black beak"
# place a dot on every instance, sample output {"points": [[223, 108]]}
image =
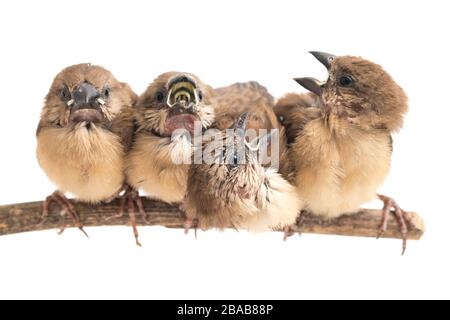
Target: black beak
{"points": [[314, 85], [325, 58], [239, 144], [311, 84], [85, 94], [84, 106], [241, 123]]}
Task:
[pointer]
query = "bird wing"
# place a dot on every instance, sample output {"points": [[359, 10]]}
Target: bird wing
{"points": [[294, 111]]}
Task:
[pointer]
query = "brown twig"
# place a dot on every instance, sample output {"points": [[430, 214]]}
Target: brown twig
{"points": [[26, 217]]}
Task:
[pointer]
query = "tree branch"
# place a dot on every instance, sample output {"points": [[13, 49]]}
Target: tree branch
{"points": [[25, 217]]}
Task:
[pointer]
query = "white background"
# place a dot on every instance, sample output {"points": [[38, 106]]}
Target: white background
{"points": [[225, 42]]}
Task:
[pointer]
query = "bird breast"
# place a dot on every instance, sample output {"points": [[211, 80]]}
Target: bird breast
{"points": [[337, 173], [152, 166], [86, 162]]}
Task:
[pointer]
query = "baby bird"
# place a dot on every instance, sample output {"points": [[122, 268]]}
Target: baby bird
{"points": [[340, 136], [234, 184], [167, 114], [85, 130]]}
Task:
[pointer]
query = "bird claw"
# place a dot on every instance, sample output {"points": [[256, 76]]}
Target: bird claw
{"points": [[400, 215], [129, 199], [288, 232], [188, 224], [59, 198]]}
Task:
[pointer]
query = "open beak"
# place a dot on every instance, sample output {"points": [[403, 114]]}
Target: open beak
{"points": [[183, 92], [183, 102], [325, 58], [311, 84], [314, 85]]}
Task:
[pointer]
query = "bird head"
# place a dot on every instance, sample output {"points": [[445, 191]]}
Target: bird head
{"points": [[85, 95], [236, 165], [359, 91], [175, 101]]}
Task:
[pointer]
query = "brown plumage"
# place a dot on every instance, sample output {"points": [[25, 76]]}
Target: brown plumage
{"points": [[159, 160], [254, 99], [235, 188], [85, 130], [340, 135]]}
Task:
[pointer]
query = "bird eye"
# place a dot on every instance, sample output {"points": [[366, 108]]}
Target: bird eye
{"points": [[106, 92], [235, 159], [200, 95], [159, 96], [65, 93], [345, 81]]}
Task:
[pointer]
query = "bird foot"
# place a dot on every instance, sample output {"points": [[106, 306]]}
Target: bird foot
{"points": [[123, 188], [60, 199], [191, 223], [289, 231], [128, 200], [400, 215]]}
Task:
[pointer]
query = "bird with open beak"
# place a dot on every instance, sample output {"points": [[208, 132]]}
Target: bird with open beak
{"points": [[85, 130], [167, 114], [339, 136], [236, 187]]}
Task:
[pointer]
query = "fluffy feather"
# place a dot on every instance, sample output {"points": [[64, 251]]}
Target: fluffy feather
{"points": [[340, 142], [247, 196], [89, 164], [84, 158], [154, 164], [150, 167]]}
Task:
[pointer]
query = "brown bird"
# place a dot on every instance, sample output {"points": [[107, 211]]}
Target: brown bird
{"points": [[236, 186], [167, 113], [85, 130], [340, 136]]}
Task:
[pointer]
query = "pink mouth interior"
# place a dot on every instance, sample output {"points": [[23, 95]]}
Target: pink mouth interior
{"points": [[180, 121]]}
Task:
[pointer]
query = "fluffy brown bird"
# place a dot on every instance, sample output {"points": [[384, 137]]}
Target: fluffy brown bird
{"points": [[340, 136], [85, 130], [236, 186], [167, 113]]}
